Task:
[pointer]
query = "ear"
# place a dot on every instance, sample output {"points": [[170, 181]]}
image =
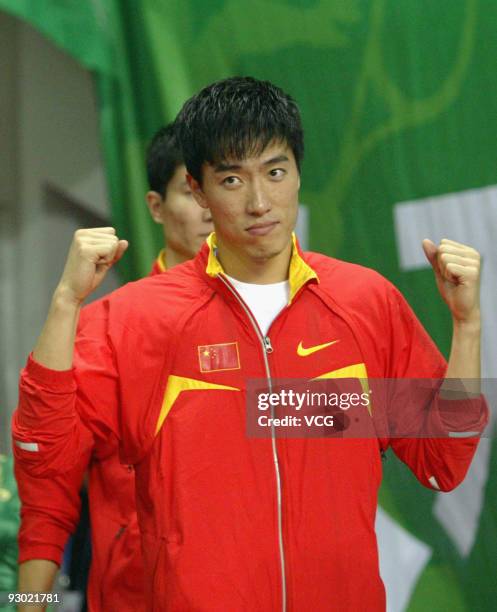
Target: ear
{"points": [[196, 190], [154, 202]]}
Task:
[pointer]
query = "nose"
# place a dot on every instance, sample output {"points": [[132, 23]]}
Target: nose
{"points": [[258, 203]]}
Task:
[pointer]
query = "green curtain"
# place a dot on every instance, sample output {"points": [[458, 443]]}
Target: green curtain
{"points": [[399, 103], [9, 524]]}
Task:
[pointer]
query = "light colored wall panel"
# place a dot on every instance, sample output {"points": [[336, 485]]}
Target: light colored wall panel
{"points": [[51, 182]]}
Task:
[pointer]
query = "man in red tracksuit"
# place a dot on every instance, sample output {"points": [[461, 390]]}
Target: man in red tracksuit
{"points": [[50, 507], [231, 521]]}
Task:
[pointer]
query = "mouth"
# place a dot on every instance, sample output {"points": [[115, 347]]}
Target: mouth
{"points": [[261, 229]]}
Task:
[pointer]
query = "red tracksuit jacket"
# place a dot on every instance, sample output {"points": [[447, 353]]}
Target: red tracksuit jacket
{"points": [[50, 509], [232, 522]]}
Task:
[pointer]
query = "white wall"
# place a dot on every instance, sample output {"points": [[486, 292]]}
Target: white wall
{"points": [[51, 183]]}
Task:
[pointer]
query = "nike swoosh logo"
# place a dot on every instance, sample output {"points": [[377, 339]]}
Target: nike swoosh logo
{"points": [[305, 352]]}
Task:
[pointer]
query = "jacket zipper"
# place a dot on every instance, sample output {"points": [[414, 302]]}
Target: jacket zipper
{"points": [[267, 348]]}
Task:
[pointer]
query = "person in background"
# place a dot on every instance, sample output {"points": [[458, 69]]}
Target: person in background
{"points": [[50, 508], [169, 199]]}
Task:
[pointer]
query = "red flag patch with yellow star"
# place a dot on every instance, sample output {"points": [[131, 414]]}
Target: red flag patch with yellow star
{"points": [[218, 357]]}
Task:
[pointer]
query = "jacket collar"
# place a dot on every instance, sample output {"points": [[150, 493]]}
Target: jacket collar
{"points": [[159, 264], [300, 272]]}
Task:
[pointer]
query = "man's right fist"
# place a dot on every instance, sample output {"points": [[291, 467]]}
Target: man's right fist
{"points": [[93, 252]]}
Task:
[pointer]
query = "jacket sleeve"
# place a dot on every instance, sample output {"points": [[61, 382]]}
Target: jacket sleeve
{"points": [[436, 437], [50, 509], [62, 414]]}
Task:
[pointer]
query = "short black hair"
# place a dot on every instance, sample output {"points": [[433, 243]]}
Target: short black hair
{"points": [[163, 157], [236, 118]]}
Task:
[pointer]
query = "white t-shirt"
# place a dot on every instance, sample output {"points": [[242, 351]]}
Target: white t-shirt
{"points": [[265, 301]]}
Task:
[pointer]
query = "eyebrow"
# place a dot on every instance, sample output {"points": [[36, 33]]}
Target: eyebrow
{"points": [[276, 160], [224, 167]]}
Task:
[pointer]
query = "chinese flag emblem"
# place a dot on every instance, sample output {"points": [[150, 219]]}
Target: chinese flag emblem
{"points": [[218, 357]]}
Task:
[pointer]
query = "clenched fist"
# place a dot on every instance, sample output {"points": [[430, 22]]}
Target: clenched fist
{"points": [[457, 273], [92, 253]]}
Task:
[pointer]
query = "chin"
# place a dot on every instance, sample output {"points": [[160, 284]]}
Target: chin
{"points": [[268, 250]]}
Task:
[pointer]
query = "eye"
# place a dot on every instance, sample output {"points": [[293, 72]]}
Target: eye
{"points": [[277, 173], [230, 181]]}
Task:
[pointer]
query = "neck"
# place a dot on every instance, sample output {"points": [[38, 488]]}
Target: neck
{"points": [[259, 270], [173, 258]]}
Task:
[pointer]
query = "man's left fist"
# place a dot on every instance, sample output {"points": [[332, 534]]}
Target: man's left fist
{"points": [[457, 272]]}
